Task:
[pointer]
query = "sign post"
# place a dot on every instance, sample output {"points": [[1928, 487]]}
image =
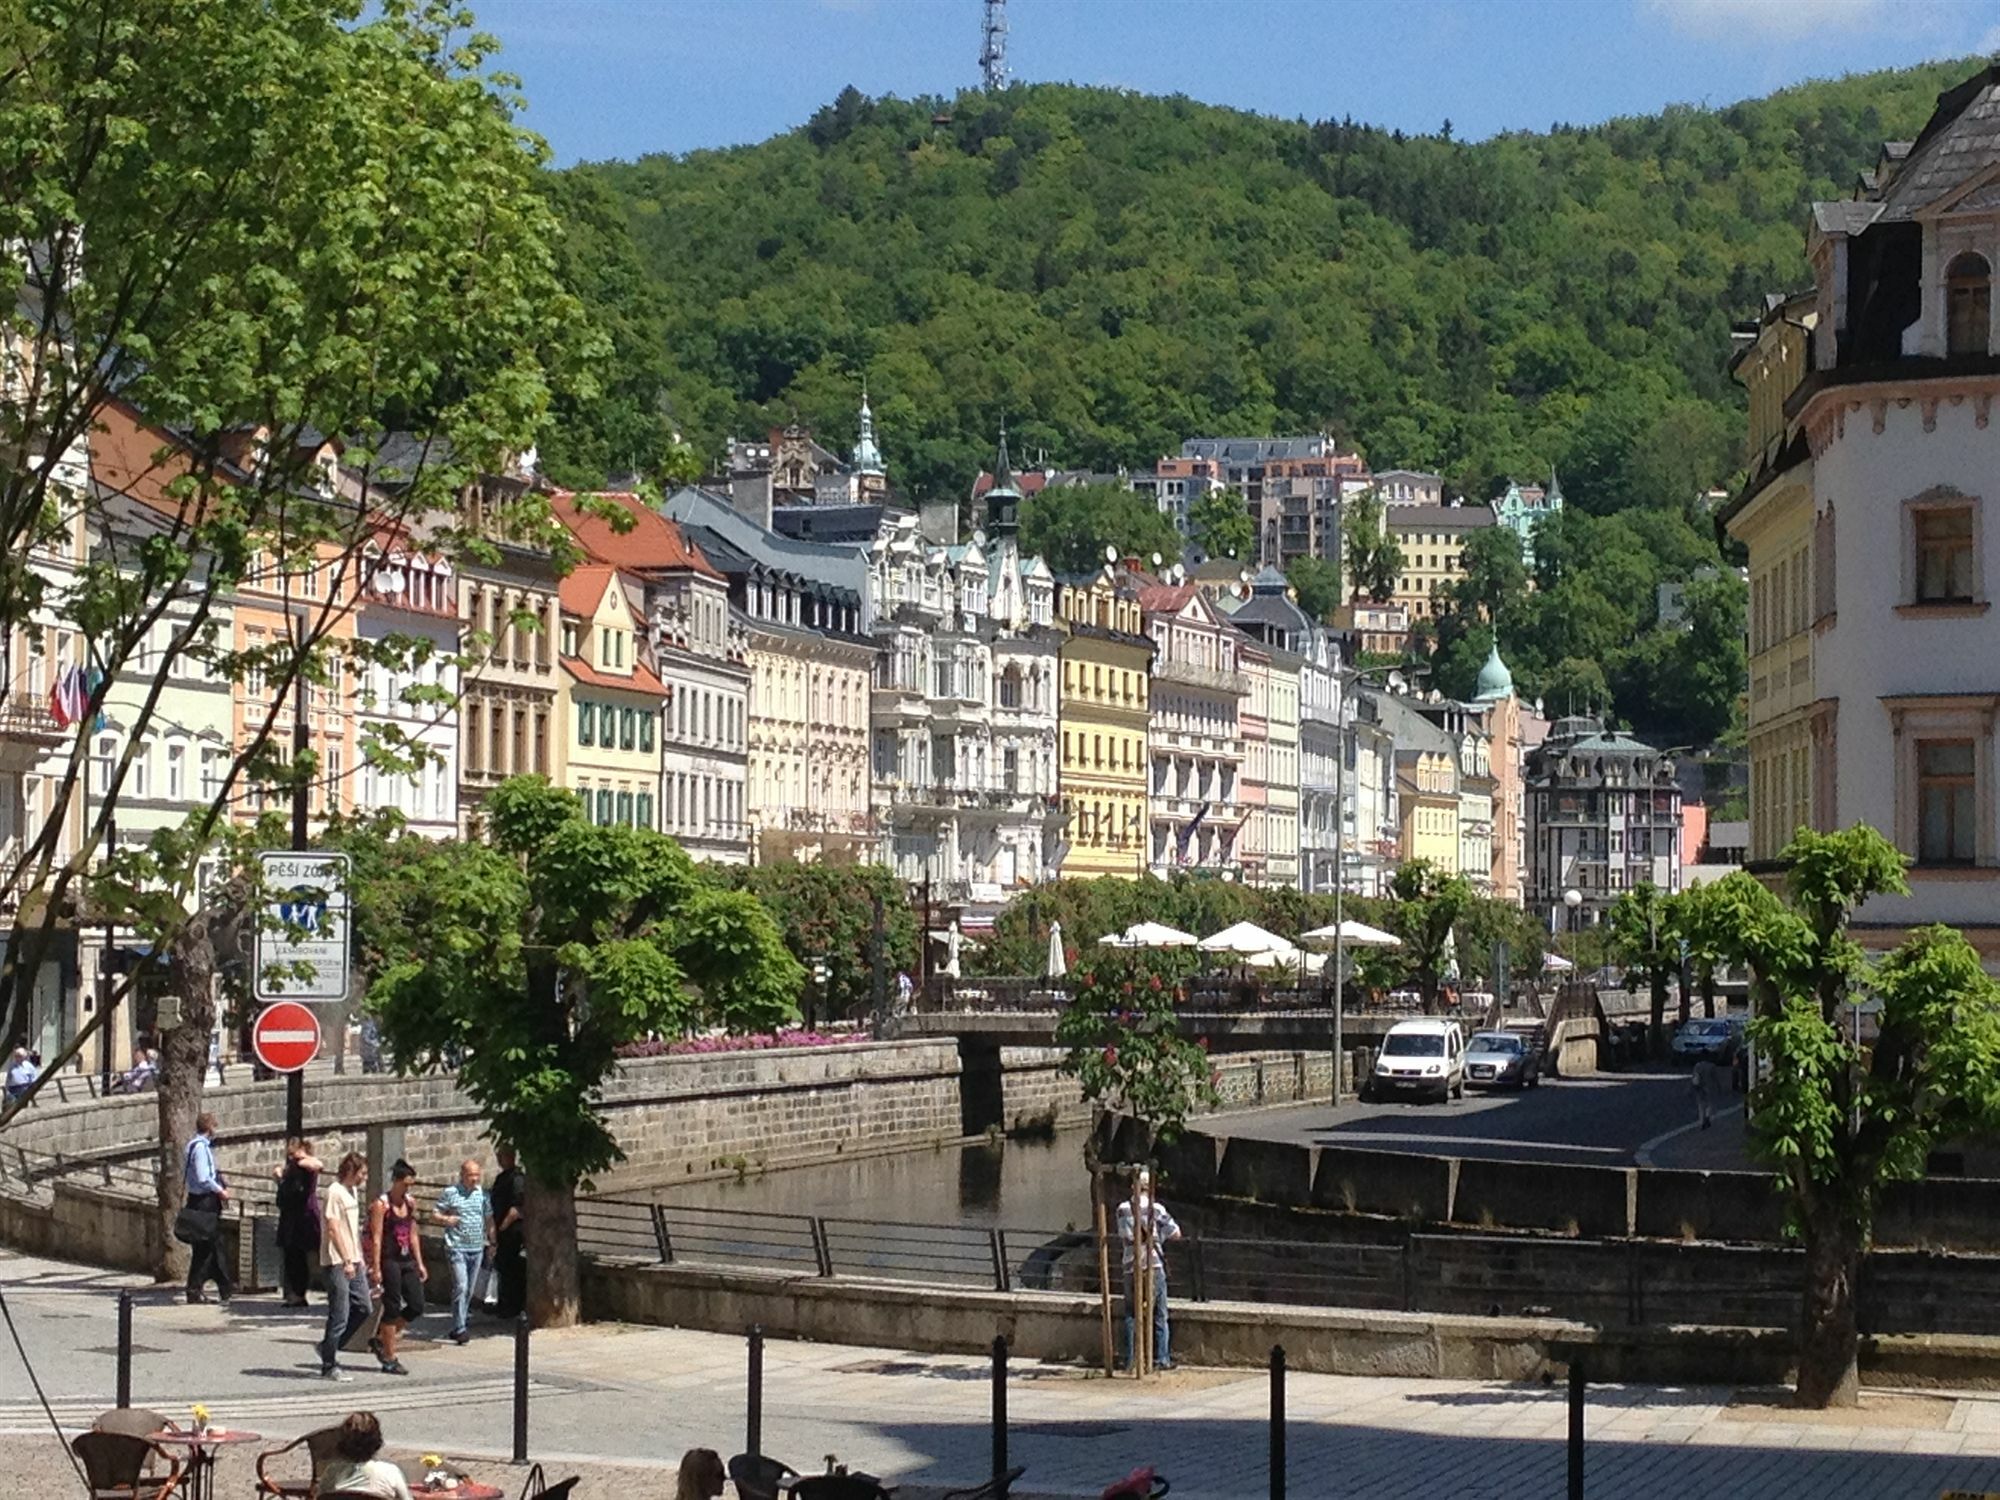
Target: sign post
{"points": [[301, 946]]}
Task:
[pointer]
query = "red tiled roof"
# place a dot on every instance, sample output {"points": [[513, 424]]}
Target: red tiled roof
{"points": [[583, 589], [642, 680], [652, 541], [1165, 598]]}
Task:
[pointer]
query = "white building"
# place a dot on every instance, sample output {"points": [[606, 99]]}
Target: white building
{"points": [[407, 715], [1875, 650], [1196, 737]]}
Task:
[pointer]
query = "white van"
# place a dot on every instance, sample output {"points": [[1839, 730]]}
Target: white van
{"points": [[1421, 1059]]}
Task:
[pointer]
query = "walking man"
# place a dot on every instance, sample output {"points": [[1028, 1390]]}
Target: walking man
{"points": [[1703, 1081], [201, 1221], [347, 1303], [1160, 1227], [468, 1220], [510, 1261]]}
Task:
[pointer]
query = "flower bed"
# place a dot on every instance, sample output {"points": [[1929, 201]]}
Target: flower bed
{"points": [[760, 1042]]}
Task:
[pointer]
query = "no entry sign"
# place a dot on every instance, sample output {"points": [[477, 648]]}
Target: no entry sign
{"points": [[286, 1036]]}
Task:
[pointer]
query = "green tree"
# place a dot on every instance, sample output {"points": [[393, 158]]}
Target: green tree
{"points": [[1221, 524], [1429, 905], [1644, 938], [1699, 925], [1122, 1037], [827, 912], [1071, 526], [1317, 584], [539, 955], [1494, 575], [1835, 1117], [1374, 557]]}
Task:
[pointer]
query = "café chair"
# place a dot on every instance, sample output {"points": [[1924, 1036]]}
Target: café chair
{"points": [[760, 1478], [115, 1466], [321, 1445], [999, 1487], [839, 1487]]}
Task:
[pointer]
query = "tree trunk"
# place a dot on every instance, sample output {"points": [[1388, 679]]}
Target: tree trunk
{"points": [[555, 1298], [1681, 980], [1829, 1338], [1708, 991], [183, 1066], [1656, 1035]]}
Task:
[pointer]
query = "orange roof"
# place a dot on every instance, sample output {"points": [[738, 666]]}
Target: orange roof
{"points": [[652, 541], [136, 459], [643, 679], [583, 589]]}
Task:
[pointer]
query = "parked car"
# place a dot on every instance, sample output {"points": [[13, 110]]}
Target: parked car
{"points": [[1498, 1059], [1421, 1058], [1716, 1039]]}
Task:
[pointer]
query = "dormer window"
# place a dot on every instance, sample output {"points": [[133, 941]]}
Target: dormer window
{"points": [[1968, 294]]}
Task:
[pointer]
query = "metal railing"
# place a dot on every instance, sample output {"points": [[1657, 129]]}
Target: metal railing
{"points": [[1608, 1283]]}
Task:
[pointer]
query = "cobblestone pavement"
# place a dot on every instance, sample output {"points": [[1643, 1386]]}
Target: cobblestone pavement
{"points": [[614, 1394]]}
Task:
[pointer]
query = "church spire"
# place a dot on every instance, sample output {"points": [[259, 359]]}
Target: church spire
{"points": [[867, 458], [1003, 500]]}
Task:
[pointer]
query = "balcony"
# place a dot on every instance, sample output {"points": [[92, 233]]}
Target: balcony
{"points": [[1207, 678], [28, 732]]}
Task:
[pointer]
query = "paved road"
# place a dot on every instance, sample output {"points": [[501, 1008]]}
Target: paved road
{"points": [[646, 1394], [1605, 1119]]}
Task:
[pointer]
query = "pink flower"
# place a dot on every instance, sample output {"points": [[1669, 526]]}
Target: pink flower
{"points": [[1110, 1057], [1201, 1042]]}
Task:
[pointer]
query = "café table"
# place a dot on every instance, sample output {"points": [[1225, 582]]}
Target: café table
{"points": [[465, 1489], [201, 1448]]}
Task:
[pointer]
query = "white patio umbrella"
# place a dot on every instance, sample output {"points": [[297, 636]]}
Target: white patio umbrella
{"points": [[1244, 939], [1058, 965], [1297, 958], [1149, 935], [1352, 935], [1555, 962]]}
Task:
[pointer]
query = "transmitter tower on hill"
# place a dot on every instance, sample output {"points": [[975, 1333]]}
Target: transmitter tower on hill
{"points": [[993, 46]]}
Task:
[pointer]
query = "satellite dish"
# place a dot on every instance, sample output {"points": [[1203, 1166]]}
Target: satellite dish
{"points": [[1244, 575], [1110, 553], [1156, 559]]}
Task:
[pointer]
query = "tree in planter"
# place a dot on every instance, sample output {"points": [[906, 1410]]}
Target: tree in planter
{"points": [[1699, 925], [542, 953], [1429, 904], [1838, 1119], [1122, 1036], [1644, 938]]}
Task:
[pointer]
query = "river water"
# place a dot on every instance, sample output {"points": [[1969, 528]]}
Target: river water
{"points": [[1034, 1184]]}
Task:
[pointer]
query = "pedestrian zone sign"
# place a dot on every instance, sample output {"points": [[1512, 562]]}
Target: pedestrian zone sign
{"points": [[302, 933]]}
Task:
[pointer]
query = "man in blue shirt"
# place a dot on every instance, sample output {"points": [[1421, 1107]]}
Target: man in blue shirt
{"points": [[20, 1073], [468, 1219], [200, 1224]]}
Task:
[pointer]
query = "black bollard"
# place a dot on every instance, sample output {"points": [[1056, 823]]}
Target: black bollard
{"points": [[521, 1389], [1277, 1422], [124, 1350], [753, 1423], [1576, 1429], [999, 1405]]}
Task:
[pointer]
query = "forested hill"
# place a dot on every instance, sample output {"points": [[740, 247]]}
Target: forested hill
{"points": [[1115, 272]]}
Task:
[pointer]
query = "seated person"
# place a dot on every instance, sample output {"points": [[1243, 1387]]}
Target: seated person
{"points": [[701, 1475], [356, 1470]]}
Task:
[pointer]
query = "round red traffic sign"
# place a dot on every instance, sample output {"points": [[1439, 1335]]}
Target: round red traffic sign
{"points": [[286, 1036]]}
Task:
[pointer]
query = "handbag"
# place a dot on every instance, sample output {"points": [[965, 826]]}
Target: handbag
{"points": [[197, 1226]]}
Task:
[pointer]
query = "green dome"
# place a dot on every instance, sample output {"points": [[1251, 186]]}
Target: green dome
{"points": [[1495, 681]]}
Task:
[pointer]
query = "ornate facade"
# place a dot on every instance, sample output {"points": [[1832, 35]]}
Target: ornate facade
{"points": [[1106, 662]]}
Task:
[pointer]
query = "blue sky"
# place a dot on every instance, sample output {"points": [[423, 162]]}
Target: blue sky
{"points": [[621, 78]]}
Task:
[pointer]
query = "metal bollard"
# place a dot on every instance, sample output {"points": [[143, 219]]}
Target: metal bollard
{"points": [[1576, 1429], [1277, 1422], [753, 1422], [124, 1350], [999, 1405], [521, 1389]]}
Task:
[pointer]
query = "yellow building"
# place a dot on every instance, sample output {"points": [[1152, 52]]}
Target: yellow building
{"points": [[609, 703], [1106, 666], [1432, 540]]}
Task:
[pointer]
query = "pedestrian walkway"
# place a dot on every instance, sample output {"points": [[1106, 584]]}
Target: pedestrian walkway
{"points": [[626, 1394]]}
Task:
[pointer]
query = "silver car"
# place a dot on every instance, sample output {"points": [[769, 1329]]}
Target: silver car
{"points": [[1498, 1059]]}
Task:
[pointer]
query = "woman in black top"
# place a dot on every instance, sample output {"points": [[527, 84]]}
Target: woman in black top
{"points": [[298, 1219]]}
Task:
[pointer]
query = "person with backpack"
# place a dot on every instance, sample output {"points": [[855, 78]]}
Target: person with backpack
{"points": [[199, 1224], [299, 1230]]}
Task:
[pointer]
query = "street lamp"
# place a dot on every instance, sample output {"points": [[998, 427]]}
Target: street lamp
{"points": [[1394, 675]]}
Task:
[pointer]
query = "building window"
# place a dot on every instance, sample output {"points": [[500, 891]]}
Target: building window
{"points": [[628, 729], [1944, 557], [645, 807], [1968, 295], [586, 724], [212, 760], [625, 809], [1947, 816], [646, 730], [176, 772], [604, 805]]}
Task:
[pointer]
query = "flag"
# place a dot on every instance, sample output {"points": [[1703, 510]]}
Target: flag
{"points": [[70, 697], [1187, 833], [93, 680]]}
